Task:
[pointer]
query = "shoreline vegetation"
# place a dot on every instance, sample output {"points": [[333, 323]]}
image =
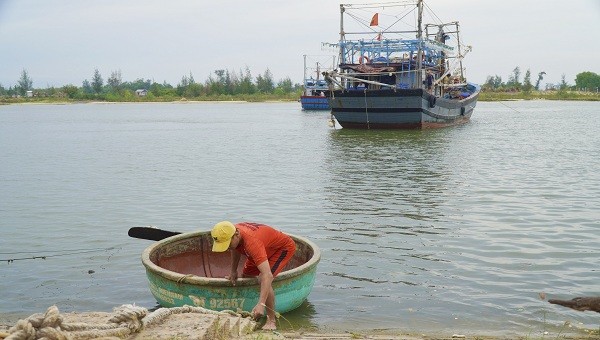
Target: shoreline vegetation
{"points": [[484, 96], [226, 85]]}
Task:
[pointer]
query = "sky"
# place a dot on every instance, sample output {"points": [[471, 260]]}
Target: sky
{"points": [[62, 42]]}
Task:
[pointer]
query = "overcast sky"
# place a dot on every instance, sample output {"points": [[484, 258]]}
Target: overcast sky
{"points": [[62, 42]]}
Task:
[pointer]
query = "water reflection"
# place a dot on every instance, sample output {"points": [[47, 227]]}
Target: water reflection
{"points": [[386, 195], [303, 317], [398, 177]]}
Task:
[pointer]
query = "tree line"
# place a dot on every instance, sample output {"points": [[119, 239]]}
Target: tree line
{"points": [[224, 83], [220, 83], [584, 81]]}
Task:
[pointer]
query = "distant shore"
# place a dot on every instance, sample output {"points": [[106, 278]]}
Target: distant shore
{"points": [[486, 96]]}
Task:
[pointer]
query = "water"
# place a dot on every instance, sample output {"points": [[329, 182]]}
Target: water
{"points": [[455, 230]]}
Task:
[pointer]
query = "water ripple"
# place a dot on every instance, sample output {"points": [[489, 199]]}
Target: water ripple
{"points": [[451, 229]]}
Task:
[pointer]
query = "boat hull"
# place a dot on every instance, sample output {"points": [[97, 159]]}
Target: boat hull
{"points": [[314, 103], [400, 109], [182, 270]]}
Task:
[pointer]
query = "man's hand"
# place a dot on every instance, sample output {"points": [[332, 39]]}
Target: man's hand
{"points": [[233, 276], [258, 311]]}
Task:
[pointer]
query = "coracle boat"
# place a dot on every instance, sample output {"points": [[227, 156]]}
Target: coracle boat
{"points": [[183, 270], [387, 79], [315, 89]]}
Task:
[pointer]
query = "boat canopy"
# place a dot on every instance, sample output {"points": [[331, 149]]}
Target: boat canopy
{"points": [[391, 50]]}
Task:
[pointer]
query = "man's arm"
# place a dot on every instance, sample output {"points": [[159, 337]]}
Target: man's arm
{"points": [[235, 260], [265, 279]]}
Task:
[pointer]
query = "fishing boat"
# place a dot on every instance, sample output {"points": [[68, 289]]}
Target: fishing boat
{"points": [[183, 270], [389, 79], [315, 87]]}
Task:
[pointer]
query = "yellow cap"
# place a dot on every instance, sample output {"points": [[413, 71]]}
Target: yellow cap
{"points": [[222, 233]]}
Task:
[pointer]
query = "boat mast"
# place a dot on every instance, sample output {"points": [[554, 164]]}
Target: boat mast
{"points": [[419, 76], [306, 91], [462, 76], [342, 34], [305, 68], [318, 73]]}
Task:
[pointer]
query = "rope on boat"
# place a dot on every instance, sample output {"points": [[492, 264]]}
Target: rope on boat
{"points": [[181, 279], [128, 319], [367, 111]]}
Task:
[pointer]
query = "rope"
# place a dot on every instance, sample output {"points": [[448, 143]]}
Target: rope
{"points": [[127, 320], [181, 279], [367, 111], [52, 253]]}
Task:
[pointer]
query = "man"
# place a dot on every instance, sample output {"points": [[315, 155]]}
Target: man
{"points": [[267, 250], [429, 81]]}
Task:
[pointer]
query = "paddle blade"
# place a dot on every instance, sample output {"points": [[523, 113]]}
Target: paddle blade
{"points": [[151, 233]]}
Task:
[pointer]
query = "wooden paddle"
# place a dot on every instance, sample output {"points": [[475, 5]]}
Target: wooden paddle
{"points": [[151, 233]]}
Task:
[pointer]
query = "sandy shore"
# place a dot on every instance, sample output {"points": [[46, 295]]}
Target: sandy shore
{"points": [[131, 322]]}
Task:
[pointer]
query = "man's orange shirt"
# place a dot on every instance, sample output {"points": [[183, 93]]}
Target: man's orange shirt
{"points": [[261, 241]]}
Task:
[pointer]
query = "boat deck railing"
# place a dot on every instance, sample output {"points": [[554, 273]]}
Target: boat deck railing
{"points": [[393, 50]]}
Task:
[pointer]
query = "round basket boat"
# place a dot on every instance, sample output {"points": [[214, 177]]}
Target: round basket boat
{"points": [[183, 270]]}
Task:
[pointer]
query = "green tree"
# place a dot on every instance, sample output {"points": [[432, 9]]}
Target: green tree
{"points": [[70, 90], [493, 83], [539, 79], [246, 86], [97, 82], [87, 87], [285, 85], [489, 83], [229, 83], [115, 82], [513, 80], [216, 86], [527, 86], [138, 84], [587, 80], [187, 87], [162, 90], [563, 83], [264, 83], [51, 91], [25, 83]]}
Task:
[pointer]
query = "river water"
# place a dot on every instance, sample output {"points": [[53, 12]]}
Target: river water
{"points": [[455, 230]]}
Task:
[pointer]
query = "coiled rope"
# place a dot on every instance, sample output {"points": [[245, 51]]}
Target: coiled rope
{"points": [[128, 319]]}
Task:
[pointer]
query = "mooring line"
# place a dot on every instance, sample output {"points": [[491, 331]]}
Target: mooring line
{"points": [[59, 253], [517, 111], [367, 111]]}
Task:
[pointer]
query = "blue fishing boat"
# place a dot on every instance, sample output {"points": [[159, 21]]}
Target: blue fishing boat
{"points": [[314, 96], [182, 270], [389, 79]]}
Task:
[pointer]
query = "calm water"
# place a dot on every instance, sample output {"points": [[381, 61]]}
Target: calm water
{"points": [[455, 230]]}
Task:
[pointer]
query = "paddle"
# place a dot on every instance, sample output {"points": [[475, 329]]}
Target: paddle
{"points": [[151, 233]]}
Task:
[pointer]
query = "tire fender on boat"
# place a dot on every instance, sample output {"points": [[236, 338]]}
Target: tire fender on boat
{"points": [[363, 58], [462, 111], [432, 100]]}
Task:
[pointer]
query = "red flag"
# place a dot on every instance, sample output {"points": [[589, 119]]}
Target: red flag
{"points": [[375, 20], [379, 37]]}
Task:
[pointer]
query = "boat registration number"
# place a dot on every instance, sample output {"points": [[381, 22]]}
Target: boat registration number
{"points": [[226, 303]]}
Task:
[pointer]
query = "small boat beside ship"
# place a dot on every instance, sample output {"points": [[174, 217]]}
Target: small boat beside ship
{"points": [[388, 79], [315, 87], [183, 270]]}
